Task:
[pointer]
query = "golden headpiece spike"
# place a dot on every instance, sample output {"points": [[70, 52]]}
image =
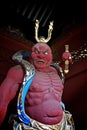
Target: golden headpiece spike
{"points": [[41, 39]]}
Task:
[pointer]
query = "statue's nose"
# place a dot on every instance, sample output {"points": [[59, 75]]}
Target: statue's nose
{"points": [[40, 55]]}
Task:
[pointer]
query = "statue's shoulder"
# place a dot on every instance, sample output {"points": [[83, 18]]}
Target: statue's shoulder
{"points": [[16, 72], [53, 69]]}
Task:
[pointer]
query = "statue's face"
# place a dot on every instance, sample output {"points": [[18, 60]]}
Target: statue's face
{"points": [[41, 56]]}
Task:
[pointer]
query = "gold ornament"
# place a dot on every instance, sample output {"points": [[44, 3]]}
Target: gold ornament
{"points": [[42, 39]]}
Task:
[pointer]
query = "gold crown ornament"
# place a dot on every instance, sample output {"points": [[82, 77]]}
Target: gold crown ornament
{"points": [[42, 39]]}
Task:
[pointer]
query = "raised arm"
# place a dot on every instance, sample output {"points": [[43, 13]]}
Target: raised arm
{"points": [[9, 88]]}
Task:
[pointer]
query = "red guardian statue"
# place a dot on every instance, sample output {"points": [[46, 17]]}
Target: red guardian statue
{"points": [[39, 103]]}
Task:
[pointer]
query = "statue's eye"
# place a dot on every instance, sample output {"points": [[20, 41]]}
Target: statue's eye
{"points": [[46, 53]]}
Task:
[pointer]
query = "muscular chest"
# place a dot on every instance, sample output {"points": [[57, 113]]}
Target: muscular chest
{"points": [[44, 81]]}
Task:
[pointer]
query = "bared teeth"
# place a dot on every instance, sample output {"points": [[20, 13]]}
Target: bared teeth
{"points": [[41, 61]]}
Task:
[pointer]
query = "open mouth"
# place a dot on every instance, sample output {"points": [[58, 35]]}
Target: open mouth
{"points": [[40, 61]]}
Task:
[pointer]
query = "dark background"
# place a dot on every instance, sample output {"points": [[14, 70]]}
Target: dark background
{"points": [[23, 13], [70, 27]]}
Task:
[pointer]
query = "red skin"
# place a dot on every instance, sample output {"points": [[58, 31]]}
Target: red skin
{"points": [[9, 88], [44, 96]]}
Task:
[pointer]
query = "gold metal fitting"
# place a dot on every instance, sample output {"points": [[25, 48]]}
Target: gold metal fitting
{"points": [[42, 39]]}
